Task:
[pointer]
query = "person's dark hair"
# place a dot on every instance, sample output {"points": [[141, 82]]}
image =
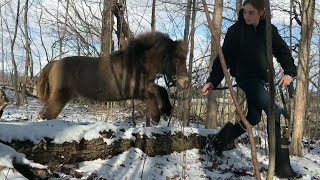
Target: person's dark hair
{"points": [[257, 4]]}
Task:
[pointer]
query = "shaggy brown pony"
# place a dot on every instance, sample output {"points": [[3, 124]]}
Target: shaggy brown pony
{"points": [[125, 74]]}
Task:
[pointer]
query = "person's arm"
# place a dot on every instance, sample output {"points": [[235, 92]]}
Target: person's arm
{"points": [[216, 74], [282, 52]]}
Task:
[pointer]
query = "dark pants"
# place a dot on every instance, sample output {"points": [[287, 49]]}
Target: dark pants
{"points": [[258, 99]]}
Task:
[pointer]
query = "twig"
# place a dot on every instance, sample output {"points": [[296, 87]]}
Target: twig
{"points": [[144, 162], [7, 174]]}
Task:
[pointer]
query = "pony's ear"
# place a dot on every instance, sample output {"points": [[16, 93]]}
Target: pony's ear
{"points": [[181, 42], [182, 45]]}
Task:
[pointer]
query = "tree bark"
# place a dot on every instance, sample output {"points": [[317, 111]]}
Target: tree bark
{"points": [[27, 171], [107, 25], [241, 95], [315, 134], [42, 41], [120, 19], [15, 71], [272, 92], [238, 5], [212, 106], [125, 26], [185, 111], [52, 154], [308, 8], [2, 48], [64, 31], [27, 51], [153, 16]]}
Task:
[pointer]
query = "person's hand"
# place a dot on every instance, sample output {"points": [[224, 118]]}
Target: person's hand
{"points": [[206, 88], [286, 80]]}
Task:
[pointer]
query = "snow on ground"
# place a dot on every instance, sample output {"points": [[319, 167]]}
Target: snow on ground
{"points": [[76, 122]]}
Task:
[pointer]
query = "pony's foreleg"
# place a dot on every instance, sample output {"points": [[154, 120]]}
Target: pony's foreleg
{"points": [[162, 98], [164, 104], [54, 105], [153, 112]]}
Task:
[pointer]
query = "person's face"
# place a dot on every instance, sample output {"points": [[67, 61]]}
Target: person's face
{"points": [[251, 15]]}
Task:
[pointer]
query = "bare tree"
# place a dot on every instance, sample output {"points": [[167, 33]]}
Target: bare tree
{"points": [[212, 106], [315, 134], [15, 71], [308, 8], [107, 24], [185, 111], [271, 73], [41, 37], [120, 21], [64, 31], [238, 5], [2, 48], [187, 21], [27, 51], [153, 16]]}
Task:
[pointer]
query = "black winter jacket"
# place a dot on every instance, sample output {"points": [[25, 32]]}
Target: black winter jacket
{"points": [[244, 50]]}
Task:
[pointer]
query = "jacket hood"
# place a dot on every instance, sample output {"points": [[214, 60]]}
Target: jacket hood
{"points": [[240, 16]]}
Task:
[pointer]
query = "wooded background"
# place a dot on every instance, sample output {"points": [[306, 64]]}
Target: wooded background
{"points": [[35, 32]]}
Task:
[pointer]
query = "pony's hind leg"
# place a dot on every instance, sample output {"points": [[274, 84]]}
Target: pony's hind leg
{"points": [[54, 105], [153, 112]]}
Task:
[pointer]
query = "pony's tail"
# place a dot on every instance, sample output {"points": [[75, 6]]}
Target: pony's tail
{"points": [[43, 87]]}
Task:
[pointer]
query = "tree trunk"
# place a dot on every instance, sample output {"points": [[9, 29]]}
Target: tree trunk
{"points": [[271, 112], [238, 5], [15, 71], [52, 154], [107, 25], [27, 50], [318, 97], [308, 8], [125, 26], [120, 19], [289, 100], [153, 16], [2, 48], [212, 106], [187, 21], [41, 38], [188, 93], [241, 95], [61, 38], [185, 111]]}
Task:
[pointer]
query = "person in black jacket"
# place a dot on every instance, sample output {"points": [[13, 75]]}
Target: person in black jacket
{"points": [[244, 48]]}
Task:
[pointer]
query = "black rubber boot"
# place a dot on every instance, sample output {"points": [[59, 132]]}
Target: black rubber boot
{"points": [[283, 167], [226, 135]]}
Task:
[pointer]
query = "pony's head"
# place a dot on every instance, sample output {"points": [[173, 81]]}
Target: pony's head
{"points": [[157, 53], [174, 65]]}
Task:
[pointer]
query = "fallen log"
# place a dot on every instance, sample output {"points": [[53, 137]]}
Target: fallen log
{"points": [[51, 154]]}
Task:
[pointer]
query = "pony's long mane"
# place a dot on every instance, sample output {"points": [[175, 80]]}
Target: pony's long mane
{"points": [[137, 46], [147, 40]]}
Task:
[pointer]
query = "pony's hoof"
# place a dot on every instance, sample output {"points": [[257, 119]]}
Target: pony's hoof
{"points": [[154, 123], [40, 119], [166, 110]]}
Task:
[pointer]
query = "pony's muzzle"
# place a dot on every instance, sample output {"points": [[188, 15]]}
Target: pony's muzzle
{"points": [[183, 82]]}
